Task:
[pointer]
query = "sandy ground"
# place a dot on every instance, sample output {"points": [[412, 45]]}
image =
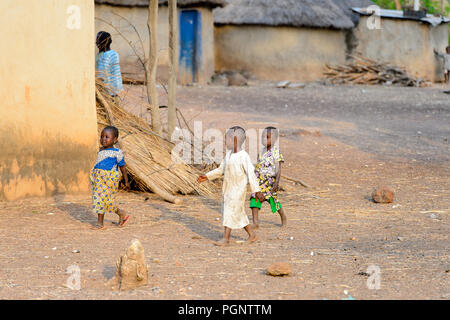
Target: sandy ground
{"points": [[369, 136]]}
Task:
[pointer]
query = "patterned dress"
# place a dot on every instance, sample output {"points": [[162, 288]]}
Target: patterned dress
{"points": [[266, 171], [105, 179]]}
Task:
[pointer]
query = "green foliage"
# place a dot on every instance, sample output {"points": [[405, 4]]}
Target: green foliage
{"points": [[433, 6]]}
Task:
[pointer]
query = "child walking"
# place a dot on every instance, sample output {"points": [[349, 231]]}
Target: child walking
{"points": [[237, 171], [268, 172], [105, 178]]}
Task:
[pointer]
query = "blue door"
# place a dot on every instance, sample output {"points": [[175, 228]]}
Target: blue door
{"points": [[190, 45]]}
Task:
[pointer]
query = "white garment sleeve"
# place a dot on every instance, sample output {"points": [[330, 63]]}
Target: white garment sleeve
{"points": [[250, 172], [216, 173]]}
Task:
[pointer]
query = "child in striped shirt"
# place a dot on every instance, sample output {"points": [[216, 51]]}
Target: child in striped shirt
{"points": [[108, 64]]}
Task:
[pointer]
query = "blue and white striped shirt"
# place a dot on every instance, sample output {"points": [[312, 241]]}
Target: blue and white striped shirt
{"points": [[108, 69], [110, 159]]}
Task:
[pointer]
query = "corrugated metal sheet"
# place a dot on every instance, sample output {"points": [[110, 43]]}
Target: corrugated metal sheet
{"points": [[398, 14]]}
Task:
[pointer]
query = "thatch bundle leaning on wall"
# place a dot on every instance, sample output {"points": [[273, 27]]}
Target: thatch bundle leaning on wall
{"points": [[148, 156]]}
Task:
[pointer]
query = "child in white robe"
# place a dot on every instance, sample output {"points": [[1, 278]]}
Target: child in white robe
{"points": [[237, 171]]}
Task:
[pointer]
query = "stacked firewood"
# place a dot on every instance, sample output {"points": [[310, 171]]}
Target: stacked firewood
{"points": [[369, 72]]}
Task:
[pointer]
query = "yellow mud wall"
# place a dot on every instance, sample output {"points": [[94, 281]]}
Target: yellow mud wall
{"points": [[48, 131], [123, 32], [278, 53], [206, 69], [408, 44]]}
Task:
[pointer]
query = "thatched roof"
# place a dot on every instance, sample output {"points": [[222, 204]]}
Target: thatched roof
{"points": [[336, 14], [181, 3]]}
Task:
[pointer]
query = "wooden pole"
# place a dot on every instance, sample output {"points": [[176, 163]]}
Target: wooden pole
{"points": [[398, 5], [173, 66], [152, 66]]}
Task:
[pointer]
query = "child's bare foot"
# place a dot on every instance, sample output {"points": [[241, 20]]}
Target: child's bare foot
{"points": [[252, 238], [98, 226], [283, 218], [222, 243]]}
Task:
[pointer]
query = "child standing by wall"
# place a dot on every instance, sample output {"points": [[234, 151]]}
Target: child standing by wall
{"points": [[446, 58], [105, 178], [237, 171], [107, 64], [268, 172]]}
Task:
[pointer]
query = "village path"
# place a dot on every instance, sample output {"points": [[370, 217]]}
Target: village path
{"points": [[335, 232]]}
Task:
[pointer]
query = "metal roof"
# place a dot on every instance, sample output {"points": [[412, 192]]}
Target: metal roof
{"points": [[398, 14]]}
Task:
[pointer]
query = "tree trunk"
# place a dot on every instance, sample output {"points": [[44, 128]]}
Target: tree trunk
{"points": [[152, 66], [398, 6], [173, 65]]}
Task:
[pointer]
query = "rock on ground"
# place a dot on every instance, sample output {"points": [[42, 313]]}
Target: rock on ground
{"points": [[383, 195], [236, 79], [279, 269], [131, 269]]}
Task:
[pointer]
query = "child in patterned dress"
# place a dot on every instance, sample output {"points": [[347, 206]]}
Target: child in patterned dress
{"points": [[105, 178], [268, 172], [237, 171]]}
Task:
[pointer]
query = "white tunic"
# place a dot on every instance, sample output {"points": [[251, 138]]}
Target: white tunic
{"points": [[237, 171]]}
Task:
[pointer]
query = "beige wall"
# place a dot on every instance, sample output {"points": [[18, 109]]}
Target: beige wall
{"points": [[138, 16], [408, 44], [278, 53], [48, 131]]}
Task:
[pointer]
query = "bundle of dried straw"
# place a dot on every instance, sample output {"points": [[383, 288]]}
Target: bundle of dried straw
{"points": [[148, 155]]}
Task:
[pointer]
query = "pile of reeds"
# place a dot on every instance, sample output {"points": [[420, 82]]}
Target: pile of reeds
{"points": [[148, 156], [369, 72]]}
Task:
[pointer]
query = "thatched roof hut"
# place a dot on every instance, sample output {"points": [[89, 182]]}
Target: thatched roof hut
{"points": [[196, 31], [181, 3], [335, 14], [284, 39]]}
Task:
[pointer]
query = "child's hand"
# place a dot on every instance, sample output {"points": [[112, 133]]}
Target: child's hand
{"points": [[275, 188], [202, 178], [127, 185], [260, 196]]}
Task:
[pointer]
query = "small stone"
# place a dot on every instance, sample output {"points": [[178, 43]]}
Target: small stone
{"points": [[75, 251], [279, 269], [291, 238], [400, 238], [283, 84], [236, 79], [383, 195], [50, 213], [433, 216], [155, 260], [312, 253], [54, 248], [296, 85]]}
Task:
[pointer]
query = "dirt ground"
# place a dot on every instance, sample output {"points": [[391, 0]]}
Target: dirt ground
{"points": [[342, 140]]}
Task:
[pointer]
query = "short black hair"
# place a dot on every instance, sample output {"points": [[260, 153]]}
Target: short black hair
{"points": [[239, 132], [104, 41], [114, 130], [272, 130]]}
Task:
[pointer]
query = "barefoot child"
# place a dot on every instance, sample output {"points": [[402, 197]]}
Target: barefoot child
{"points": [[268, 172], [446, 58], [237, 171], [105, 178]]}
